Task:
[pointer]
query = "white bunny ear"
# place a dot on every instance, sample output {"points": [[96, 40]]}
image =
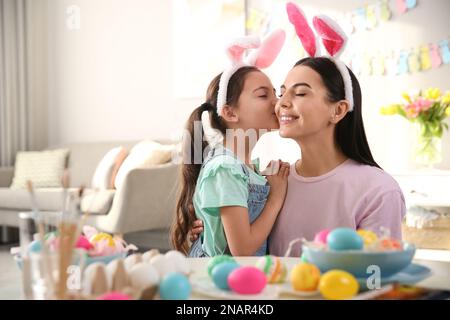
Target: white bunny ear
{"points": [[333, 37], [268, 51], [236, 49]]}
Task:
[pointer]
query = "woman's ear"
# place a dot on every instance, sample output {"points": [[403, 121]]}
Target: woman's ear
{"points": [[229, 114], [339, 110]]}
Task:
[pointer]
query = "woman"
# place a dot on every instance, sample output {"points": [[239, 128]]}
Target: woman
{"points": [[336, 183]]}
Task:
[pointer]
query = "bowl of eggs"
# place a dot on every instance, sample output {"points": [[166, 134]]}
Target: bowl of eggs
{"points": [[361, 253]]}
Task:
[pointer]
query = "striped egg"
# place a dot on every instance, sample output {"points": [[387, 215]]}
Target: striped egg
{"points": [[273, 268]]}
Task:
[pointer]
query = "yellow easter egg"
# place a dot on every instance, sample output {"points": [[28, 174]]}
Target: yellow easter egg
{"points": [[305, 277], [102, 236], [368, 236], [337, 285]]}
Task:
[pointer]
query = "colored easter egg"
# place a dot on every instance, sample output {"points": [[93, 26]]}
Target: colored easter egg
{"points": [[35, 246], [273, 268], [247, 280], [114, 296], [83, 243], [344, 239], [217, 260], [337, 285], [321, 237], [369, 237], [305, 277], [303, 258], [175, 286], [390, 244], [221, 272], [102, 236]]}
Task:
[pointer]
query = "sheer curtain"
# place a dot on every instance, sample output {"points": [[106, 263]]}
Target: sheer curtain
{"points": [[22, 93]]}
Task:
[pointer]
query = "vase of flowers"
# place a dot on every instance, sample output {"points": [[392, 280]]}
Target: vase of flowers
{"points": [[428, 110]]}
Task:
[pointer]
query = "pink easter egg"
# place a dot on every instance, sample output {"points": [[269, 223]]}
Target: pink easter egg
{"points": [[321, 237], [114, 296], [83, 243], [247, 280]]}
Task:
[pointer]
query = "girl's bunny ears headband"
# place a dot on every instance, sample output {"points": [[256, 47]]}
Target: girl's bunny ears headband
{"points": [[333, 39], [262, 58]]}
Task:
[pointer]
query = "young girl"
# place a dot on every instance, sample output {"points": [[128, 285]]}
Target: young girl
{"points": [[226, 191], [336, 183]]}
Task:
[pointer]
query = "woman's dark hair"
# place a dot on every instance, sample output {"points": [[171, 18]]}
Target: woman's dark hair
{"points": [[190, 168], [349, 134]]}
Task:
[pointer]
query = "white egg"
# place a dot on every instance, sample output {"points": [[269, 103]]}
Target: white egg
{"points": [[111, 270], [149, 254], [143, 275], [162, 265], [131, 260], [89, 274], [178, 260]]}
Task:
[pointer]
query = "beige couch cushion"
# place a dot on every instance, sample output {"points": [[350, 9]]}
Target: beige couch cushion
{"points": [[50, 199], [147, 153], [43, 168], [104, 171]]}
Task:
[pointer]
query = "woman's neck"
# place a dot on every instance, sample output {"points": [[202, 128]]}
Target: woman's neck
{"points": [[241, 147], [319, 156]]}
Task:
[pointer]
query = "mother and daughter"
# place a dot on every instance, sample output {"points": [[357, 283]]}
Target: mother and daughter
{"points": [[225, 202]]}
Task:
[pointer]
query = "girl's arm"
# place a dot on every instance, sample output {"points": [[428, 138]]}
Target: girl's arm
{"points": [[244, 238]]}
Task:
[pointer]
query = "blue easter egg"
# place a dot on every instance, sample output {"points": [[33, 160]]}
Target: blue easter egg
{"points": [[344, 239], [35, 246], [220, 274], [175, 286]]}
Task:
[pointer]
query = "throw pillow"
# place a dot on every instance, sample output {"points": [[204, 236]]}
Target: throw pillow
{"points": [[44, 168], [145, 154]]}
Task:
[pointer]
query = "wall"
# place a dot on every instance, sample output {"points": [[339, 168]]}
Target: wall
{"points": [[110, 79]]}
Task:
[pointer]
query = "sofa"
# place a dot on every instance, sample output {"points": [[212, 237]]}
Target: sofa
{"points": [[145, 201]]}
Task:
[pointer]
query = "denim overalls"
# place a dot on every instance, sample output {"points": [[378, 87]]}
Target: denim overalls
{"points": [[257, 196]]}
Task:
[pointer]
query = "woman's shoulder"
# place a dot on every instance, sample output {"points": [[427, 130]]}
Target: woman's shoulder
{"points": [[371, 176]]}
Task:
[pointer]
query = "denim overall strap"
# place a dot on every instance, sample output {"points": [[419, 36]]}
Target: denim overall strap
{"points": [[257, 197]]}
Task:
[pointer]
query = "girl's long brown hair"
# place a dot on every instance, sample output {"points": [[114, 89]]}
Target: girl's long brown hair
{"points": [[190, 170]]}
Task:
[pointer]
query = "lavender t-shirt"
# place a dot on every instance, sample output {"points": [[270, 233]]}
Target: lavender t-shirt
{"points": [[351, 195]]}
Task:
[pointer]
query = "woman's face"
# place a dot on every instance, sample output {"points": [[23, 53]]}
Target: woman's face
{"points": [[256, 104], [303, 108]]}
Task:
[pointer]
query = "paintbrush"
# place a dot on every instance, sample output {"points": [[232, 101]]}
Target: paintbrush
{"points": [[67, 231], [37, 216]]}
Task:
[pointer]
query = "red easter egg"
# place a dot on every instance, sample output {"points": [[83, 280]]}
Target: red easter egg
{"points": [[247, 280]]}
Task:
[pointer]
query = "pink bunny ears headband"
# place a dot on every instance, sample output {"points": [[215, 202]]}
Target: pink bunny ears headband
{"points": [[262, 58], [333, 38]]}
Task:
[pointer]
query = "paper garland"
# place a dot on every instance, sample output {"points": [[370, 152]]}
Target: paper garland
{"points": [[370, 16], [364, 18], [421, 58]]}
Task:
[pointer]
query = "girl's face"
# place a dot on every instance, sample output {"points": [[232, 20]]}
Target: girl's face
{"points": [[303, 108], [256, 104]]}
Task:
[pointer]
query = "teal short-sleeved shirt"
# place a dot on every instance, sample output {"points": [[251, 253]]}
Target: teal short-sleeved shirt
{"points": [[222, 182]]}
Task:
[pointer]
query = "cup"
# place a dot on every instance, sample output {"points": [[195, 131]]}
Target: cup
{"points": [[51, 268]]}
